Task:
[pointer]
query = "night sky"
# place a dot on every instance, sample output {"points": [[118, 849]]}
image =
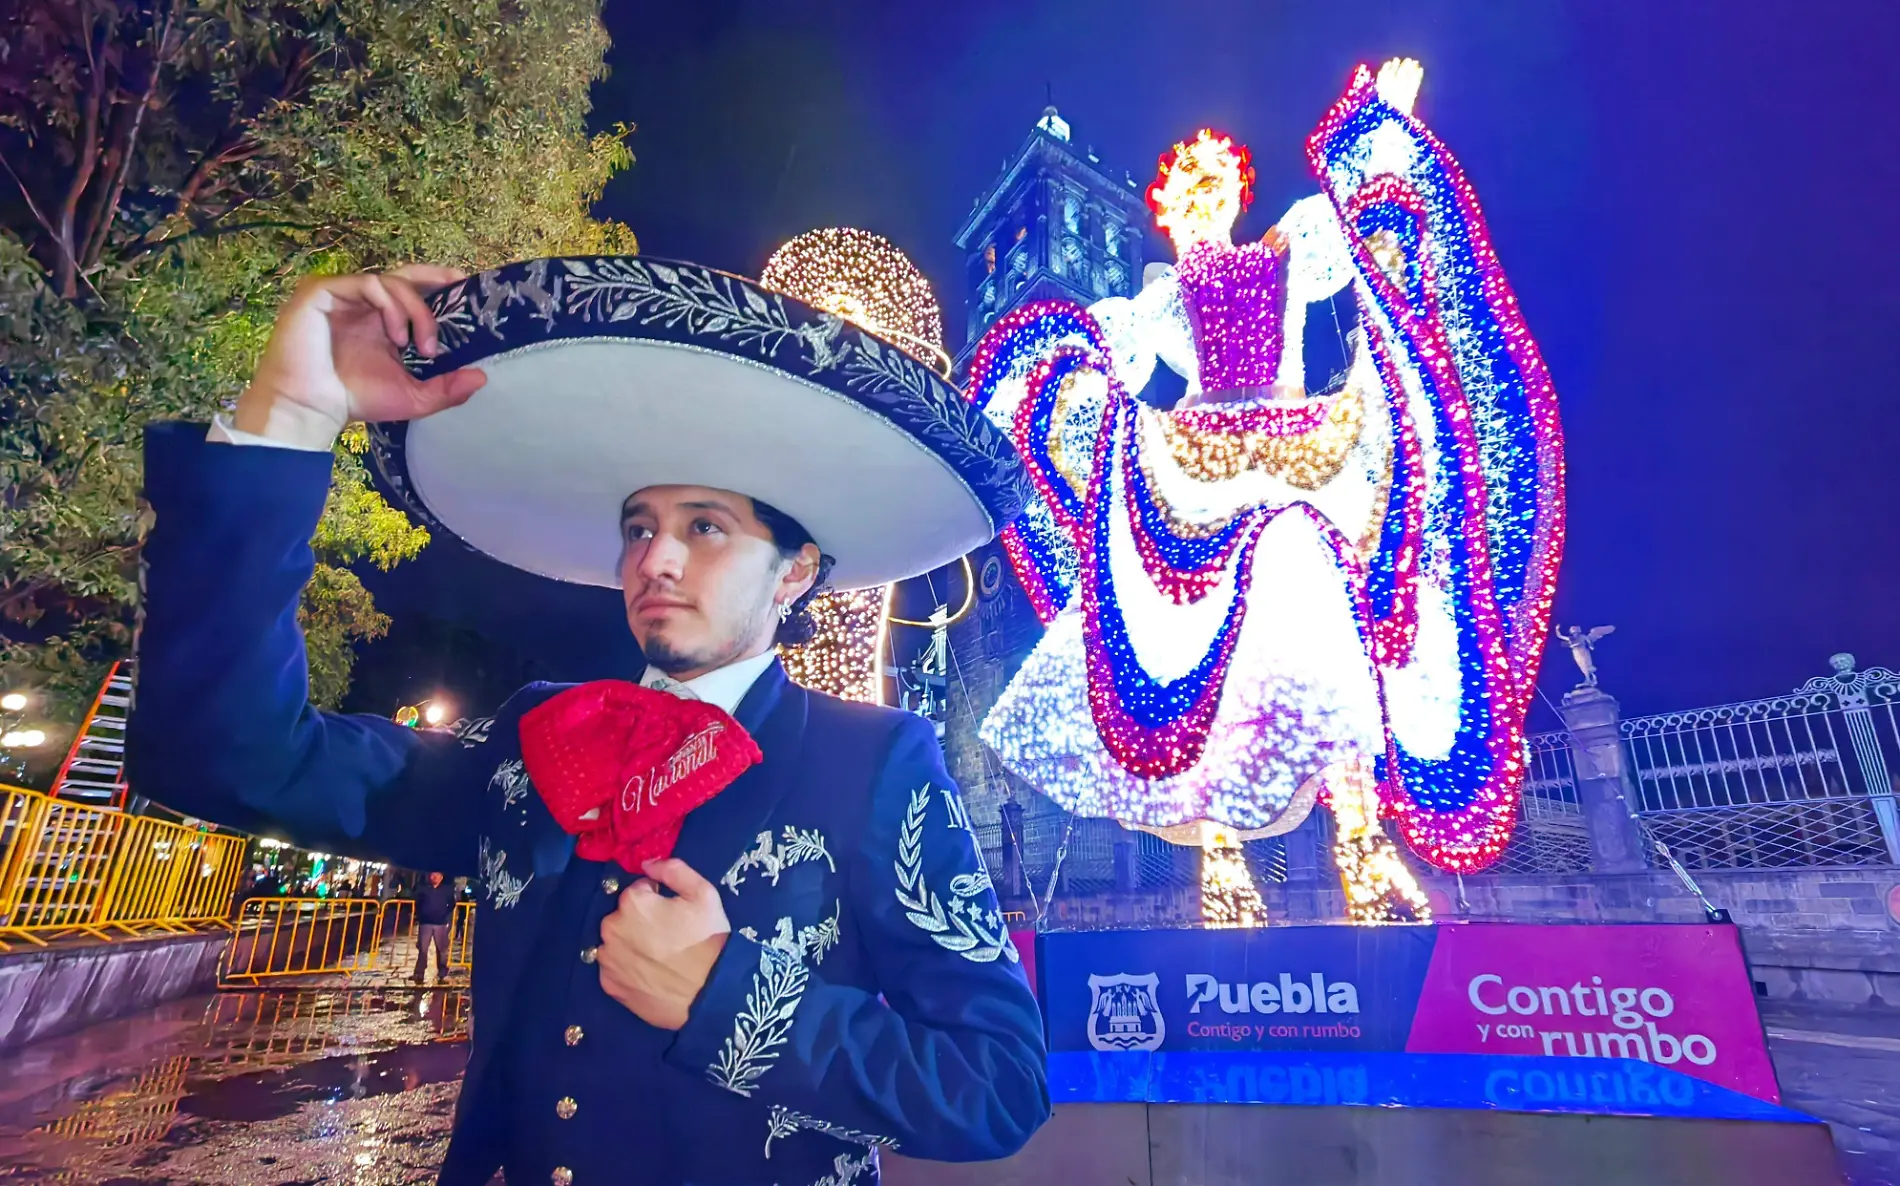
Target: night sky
{"points": [[1694, 201]]}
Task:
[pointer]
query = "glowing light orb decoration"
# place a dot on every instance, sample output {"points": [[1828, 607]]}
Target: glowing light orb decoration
{"points": [[1267, 599], [865, 279]]}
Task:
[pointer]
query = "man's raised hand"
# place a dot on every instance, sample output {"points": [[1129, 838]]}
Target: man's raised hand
{"points": [[335, 356]]}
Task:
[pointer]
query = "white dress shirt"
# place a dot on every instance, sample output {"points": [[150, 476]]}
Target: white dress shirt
{"points": [[722, 688], [224, 434]]}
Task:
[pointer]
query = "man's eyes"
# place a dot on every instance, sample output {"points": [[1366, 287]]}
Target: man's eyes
{"points": [[639, 532]]}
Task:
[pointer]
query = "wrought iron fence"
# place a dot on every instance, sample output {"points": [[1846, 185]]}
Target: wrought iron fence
{"points": [[1550, 835], [1797, 780]]}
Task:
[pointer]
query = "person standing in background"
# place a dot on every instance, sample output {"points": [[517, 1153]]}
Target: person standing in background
{"points": [[435, 906]]}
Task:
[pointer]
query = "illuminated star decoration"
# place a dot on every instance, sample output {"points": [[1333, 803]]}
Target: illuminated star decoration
{"points": [[865, 279], [1269, 598]]}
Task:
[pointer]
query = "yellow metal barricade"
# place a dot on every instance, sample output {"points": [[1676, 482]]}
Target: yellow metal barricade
{"points": [[462, 936], [70, 868], [399, 918], [279, 937], [362, 940], [171, 877]]}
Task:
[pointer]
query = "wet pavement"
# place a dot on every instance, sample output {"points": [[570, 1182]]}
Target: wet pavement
{"points": [[259, 1088], [1844, 1067], [294, 1086]]}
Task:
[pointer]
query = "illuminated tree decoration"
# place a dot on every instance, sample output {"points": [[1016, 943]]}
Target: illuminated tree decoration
{"points": [[1268, 598], [866, 280], [842, 657]]}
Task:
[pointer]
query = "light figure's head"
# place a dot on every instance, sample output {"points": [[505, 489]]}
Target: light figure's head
{"points": [[1200, 189]]}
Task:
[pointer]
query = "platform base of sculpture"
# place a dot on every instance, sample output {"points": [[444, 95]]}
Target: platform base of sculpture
{"points": [[1131, 1144]]}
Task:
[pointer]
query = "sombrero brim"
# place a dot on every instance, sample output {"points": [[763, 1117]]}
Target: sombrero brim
{"points": [[608, 375]]}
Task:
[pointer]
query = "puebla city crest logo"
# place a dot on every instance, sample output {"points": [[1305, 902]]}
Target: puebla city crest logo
{"points": [[1125, 1013]]}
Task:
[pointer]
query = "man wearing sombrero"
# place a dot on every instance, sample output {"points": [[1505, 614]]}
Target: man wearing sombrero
{"points": [[731, 931]]}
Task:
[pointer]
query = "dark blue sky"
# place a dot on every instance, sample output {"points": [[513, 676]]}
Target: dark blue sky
{"points": [[1695, 201]]}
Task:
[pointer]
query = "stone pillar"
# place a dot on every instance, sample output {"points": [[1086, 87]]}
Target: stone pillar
{"points": [[1307, 869], [1127, 864], [1605, 793]]}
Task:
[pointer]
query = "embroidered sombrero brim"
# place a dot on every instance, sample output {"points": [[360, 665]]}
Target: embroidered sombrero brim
{"points": [[608, 375]]}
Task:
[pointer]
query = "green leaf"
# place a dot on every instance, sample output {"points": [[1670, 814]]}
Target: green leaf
{"points": [[452, 131]]}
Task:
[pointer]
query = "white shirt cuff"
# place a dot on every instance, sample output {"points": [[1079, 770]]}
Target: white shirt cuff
{"points": [[221, 432]]}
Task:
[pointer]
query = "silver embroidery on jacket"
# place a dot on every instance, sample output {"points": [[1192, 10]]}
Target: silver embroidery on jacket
{"points": [[967, 923], [783, 1122], [503, 888], [811, 942], [511, 779], [794, 846], [472, 733], [765, 1022]]}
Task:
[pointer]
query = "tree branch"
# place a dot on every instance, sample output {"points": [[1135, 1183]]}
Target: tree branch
{"points": [[213, 229], [163, 48], [19, 595], [40, 217], [237, 144], [66, 272]]}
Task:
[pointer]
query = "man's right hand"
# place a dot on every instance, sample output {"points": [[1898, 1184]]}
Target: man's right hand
{"points": [[335, 357]]}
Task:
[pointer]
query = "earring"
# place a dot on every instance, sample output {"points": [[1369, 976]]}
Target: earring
{"points": [[784, 610]]}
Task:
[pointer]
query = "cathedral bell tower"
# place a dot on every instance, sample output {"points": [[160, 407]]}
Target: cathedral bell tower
{"points": [[1053, 224]]}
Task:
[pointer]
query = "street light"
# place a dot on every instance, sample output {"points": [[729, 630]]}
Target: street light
{"points": [[13, 702], [23, 739], [429, 712]]}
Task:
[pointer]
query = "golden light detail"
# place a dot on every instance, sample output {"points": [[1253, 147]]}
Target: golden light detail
{"points": [[842, 658], [865, 279], [1229, 897], [1209, 452], [1379, 887]]}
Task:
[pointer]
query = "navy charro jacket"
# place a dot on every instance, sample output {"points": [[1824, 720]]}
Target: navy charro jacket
{"points": [[869, 995]]}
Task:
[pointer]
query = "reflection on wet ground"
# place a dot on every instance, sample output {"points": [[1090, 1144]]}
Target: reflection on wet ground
{"points": [[294, 1086], [262, 1088]]}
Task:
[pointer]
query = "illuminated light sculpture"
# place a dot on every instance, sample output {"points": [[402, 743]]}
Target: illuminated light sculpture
{"points": [[1265, 599], [1229, 897], [865, 279]]}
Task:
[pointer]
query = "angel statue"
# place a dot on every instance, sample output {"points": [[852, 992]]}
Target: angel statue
{"points": [[1270, 597], [1583, 645]]}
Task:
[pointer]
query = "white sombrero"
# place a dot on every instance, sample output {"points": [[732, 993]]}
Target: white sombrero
{"points": [[607, 375]]}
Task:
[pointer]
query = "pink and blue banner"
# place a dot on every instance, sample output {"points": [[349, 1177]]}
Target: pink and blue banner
{"points": [[1631, 1019]]}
